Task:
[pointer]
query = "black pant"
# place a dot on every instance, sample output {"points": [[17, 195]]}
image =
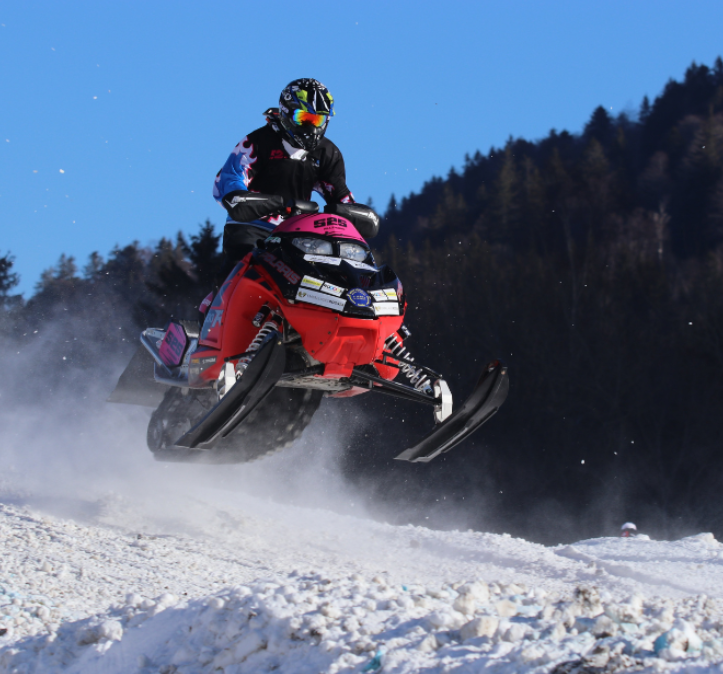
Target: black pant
{"points": [[239, 239]]}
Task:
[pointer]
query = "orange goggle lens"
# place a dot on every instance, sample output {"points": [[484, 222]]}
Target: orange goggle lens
{"points": [[300, 117]]}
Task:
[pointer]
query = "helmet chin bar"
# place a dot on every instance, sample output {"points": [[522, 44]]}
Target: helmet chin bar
{"points": [[304, 141]]}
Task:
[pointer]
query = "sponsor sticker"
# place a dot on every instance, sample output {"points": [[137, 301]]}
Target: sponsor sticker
{"points": [[311, 282], [390, 293], [359, 298], [378, 295], [386, 309], [203, 363], [273, 239], [320, 299], [329, 222], [332, 289], [326, 259], [360, 265], [199, 365], [289, 274]]}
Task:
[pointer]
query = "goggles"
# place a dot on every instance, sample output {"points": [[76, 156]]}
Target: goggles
{"points": [[301, 117]]}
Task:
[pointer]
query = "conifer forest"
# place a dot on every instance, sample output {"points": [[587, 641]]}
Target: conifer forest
{"points": [[591, 263]]}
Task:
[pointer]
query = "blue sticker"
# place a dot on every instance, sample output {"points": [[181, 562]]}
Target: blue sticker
{"points": [[359, 298]]}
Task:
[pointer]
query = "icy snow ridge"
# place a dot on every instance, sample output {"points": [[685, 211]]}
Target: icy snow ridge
{"points": [[322, 623], [305, 591]]}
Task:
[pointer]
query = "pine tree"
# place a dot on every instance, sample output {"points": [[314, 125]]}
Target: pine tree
{"points": [[597, 179], [600, 127], [644, 110], [205, 256], [93, 267], [534, 208], [8, 278], [506, 200]]}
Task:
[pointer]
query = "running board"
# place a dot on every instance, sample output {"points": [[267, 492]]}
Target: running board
{"points": [[489, 394], [258, 380]]}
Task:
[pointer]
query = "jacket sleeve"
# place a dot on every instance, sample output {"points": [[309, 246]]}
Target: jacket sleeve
{"points": [[332, 179], [236, 174], [231, 187]]}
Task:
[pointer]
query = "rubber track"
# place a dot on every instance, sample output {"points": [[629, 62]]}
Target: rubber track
{"points": [[276, 424]]}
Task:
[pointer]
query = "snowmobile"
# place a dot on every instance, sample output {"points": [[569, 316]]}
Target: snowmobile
{"points": [[307, 314]]}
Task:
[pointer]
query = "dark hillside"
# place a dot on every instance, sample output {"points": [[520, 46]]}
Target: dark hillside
{"points": [[593, 265]]}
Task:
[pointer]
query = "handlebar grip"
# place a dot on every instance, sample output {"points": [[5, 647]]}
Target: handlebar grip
{"points": [[298, 207]]}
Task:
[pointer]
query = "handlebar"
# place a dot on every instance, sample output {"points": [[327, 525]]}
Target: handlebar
{"points": [[298, 207]]}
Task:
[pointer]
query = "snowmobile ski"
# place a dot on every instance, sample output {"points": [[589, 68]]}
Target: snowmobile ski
{"points": [[489, 394], [257, 381]]}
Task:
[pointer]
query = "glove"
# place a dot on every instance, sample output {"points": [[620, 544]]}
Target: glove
{"points": [[245, 206], [362, 217]]}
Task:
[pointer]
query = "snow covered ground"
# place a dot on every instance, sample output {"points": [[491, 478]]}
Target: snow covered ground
{"points": [[112, 563]]}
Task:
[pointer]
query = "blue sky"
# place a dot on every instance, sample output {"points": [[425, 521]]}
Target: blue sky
{"points": [[115, 116]]}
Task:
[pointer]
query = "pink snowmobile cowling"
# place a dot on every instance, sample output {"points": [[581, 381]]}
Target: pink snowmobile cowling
{"points": [[321, 223]]}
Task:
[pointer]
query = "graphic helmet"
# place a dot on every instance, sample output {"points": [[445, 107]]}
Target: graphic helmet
{"points": [[305, 106]]}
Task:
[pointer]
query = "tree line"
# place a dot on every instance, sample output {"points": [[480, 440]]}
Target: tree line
{"points": [[591, 263]]}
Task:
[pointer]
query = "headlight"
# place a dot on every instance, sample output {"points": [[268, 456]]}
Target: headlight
{"points": [[314, 246], [353, 251]]}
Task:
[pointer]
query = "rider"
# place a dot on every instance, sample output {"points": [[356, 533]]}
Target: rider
{"points": [[280, 164]]}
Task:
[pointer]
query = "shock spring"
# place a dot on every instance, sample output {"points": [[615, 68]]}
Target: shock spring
{"points": [[416, 376], [266, 329]]}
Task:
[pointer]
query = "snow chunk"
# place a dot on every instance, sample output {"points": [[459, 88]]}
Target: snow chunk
{"points": [[681, 638], [506, 608], [470, 596], [484, 626]]}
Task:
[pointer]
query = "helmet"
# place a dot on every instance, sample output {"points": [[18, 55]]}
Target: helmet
{"points": [[628, 529], [304, 109]]}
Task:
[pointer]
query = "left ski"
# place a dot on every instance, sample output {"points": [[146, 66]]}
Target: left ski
{"points": [[258, 380], [488, 396]]}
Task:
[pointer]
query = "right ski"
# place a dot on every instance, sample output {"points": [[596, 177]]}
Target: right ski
{"points": [[488, 396]]}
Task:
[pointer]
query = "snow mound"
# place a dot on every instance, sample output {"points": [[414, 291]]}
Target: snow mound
{"points": [[335, 621]]}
